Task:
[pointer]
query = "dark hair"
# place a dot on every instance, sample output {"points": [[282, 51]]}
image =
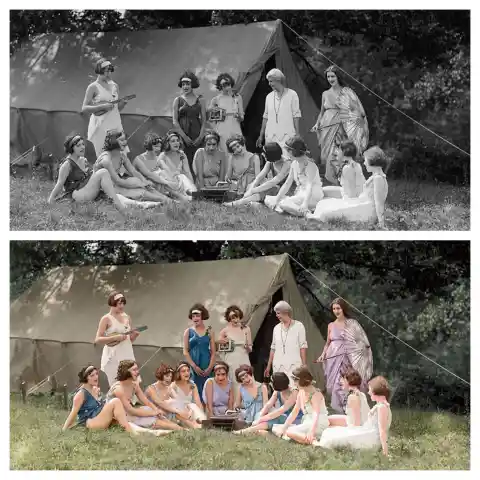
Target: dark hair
{"points": [[111, 299], [189, 74], [297, 145], [244, 368], [71, 141], [83, 375], [347, 313], [224, 76], [280, 381], [123, 369], [376, 157], [379, 386], [167, 138], [235, 309], [235, 138], [211, 134], [182, 364], [272, 152], [199, 306], [99, 70], [353, 378], [221, 364], [150, 139], [163, 370], [348, 148], [111, 140], [336, 71], [303, 375]]}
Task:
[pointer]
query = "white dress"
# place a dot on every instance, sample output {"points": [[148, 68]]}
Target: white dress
{"points": [[230, 126], [183, 401], [111, 356], [364, 410], [238, 357], [360, 209], [365, 436]]}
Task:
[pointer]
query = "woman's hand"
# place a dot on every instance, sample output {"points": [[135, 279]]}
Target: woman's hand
{"points": [[188, 141], [321, 358], [304, 208], [197, 142], [310, 438], [259, 142], [314, 128], [207, 371]]}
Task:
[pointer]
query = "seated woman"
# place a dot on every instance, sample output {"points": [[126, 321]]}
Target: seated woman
{"points": [[277, 166], [312, 403], [370, 205], [135, 187], [209, 163], [357, 406], [147, 164], [91, 411], [251, 396], [185, 396], [217, 391], [282, 402], [77, 179], [174, 165], [243, 167], [351, 176], [304, 173], [374, 432], [159, 394]]}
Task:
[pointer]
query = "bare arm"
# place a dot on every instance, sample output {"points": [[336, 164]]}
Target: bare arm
{"points": [[138, 412], [264, 394], [238, 399], [327, 343], [62, 178], [87, 106], [262, 130], [145, 401], [380, 195], [209, 397], [263, 173], [322, 111], [78, 400], [231, 400], [203, 119], [275, 180], [286, 186], [186, 168], [127, 183], [293, 415], [212, 353], [270, 361], [223, 168], [163, 404], [256, 164], [296, 124], [198, 162], [267, 406], [196, 398], [134, 335], [248, 338], [241, 113], [186, 351], [228, 175], [383, 428], [131, 169], [153, 176], [353, 404], [101, 339], [223, 337], [176, 123], [291, 401]]}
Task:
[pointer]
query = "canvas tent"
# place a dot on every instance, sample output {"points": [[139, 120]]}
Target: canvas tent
{"points": [[53, 324], [49, 76]]}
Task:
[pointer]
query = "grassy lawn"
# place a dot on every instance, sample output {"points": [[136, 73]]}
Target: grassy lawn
{"points": [[410, 206], [418, 441]]}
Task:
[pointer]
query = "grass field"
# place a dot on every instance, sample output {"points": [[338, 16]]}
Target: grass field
{"points": [[418, 441], [410, 206]]}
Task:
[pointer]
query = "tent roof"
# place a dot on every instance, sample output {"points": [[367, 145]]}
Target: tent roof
{"points": [[52, 72], [67, 304]]}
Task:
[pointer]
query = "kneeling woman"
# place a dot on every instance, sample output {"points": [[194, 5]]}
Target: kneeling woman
{"points": [[374, 432], [91, 411], [312, 403], [218, 392], [77, 179]]}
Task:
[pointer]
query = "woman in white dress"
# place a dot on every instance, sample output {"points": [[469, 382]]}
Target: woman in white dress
{"points": [[370, 205], [312, 403], [98, 98], [306, 176], [239, 336], [114, 327], [232, 103], [356, 410], [374, 432]]}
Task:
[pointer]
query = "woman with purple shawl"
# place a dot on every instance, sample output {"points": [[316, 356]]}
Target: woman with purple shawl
{"points": [[346, 343]]}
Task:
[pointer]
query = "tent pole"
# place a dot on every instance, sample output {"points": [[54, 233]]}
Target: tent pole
{"points": [[23, 390], [65, 396]]}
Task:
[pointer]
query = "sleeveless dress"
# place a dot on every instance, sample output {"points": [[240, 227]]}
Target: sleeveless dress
{"points": [[281, 419], [98, 126], [365, 436], [184, 401], [360, 209], [151, 166], [308, 418], [175, 173], [230, 126], [238, 357], [220, 397], [90, 408], [364, 409], [242, 177], [190, 120], [169, 415], [211, 166], [77, 178], [199, 349], [251, 406], [275, 169], [111, 356]]}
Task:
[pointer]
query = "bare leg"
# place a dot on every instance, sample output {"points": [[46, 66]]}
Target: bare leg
{"points": [[259, 428], [189, 423], [297, 437], [113, 410], [337, 420], [155, 196], [165, 424], [292, 205], [245, 200]]}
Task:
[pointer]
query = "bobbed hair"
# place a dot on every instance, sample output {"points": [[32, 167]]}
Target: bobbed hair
{"points": [[224, 76], [166, 140], [83, 375], [235, 309], [182, 364], [305, 378], [235, 138], [70, 141], [243, 369], [163, 370], [379, 386], [349, 149], [297, 145], [99, 70], [111, 299], [123, 370], [189, 74], [211, 134], [221, 365], [280, 381], [353, 378], [150, 139], [199, 306], [376, 157], [111, 140]]}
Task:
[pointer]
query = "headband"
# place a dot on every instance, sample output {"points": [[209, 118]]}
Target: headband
{"points": [[183, 364], [118, 296], [186, 79], [216, 367], [196, 311], [74, 140], [172, 134], [214, 135], [106, 63], [89, 370], [235, 140]]}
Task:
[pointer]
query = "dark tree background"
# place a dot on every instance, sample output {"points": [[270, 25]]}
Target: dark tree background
{"points": [[419, 291], [419, 61]]}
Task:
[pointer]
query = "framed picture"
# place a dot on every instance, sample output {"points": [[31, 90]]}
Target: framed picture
{"points": [[226, 347], [217, 114]]}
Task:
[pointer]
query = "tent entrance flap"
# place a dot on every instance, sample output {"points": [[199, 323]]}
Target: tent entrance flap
{"points": [[263, 339]]}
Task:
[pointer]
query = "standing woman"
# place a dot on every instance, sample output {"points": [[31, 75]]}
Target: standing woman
{"points": [[199, 346], [232, 103], [329, 126], [98, 96], [189, 114], [113, 327]]}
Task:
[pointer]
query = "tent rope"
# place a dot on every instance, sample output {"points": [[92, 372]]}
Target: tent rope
{"points": [[372, 92], [377, 324], [151, 357]]}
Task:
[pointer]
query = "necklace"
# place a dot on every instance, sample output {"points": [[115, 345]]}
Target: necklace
{"points": [[279, 104], [284, 342]]}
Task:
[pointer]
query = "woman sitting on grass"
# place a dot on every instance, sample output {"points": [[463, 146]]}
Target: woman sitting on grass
{"points": [[370, 205], [312, 403], [218, 392], [276, 411], [77, 179], [304, 173], [251, 396], [90, 410], [135, 187], [209, 163], [374, 432]]}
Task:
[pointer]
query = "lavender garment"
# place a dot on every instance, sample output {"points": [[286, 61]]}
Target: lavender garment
{"points": [[220, 397], [335, 366]]}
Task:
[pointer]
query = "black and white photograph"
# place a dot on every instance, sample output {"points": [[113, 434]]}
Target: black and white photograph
{"points": [[251, 120]]}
